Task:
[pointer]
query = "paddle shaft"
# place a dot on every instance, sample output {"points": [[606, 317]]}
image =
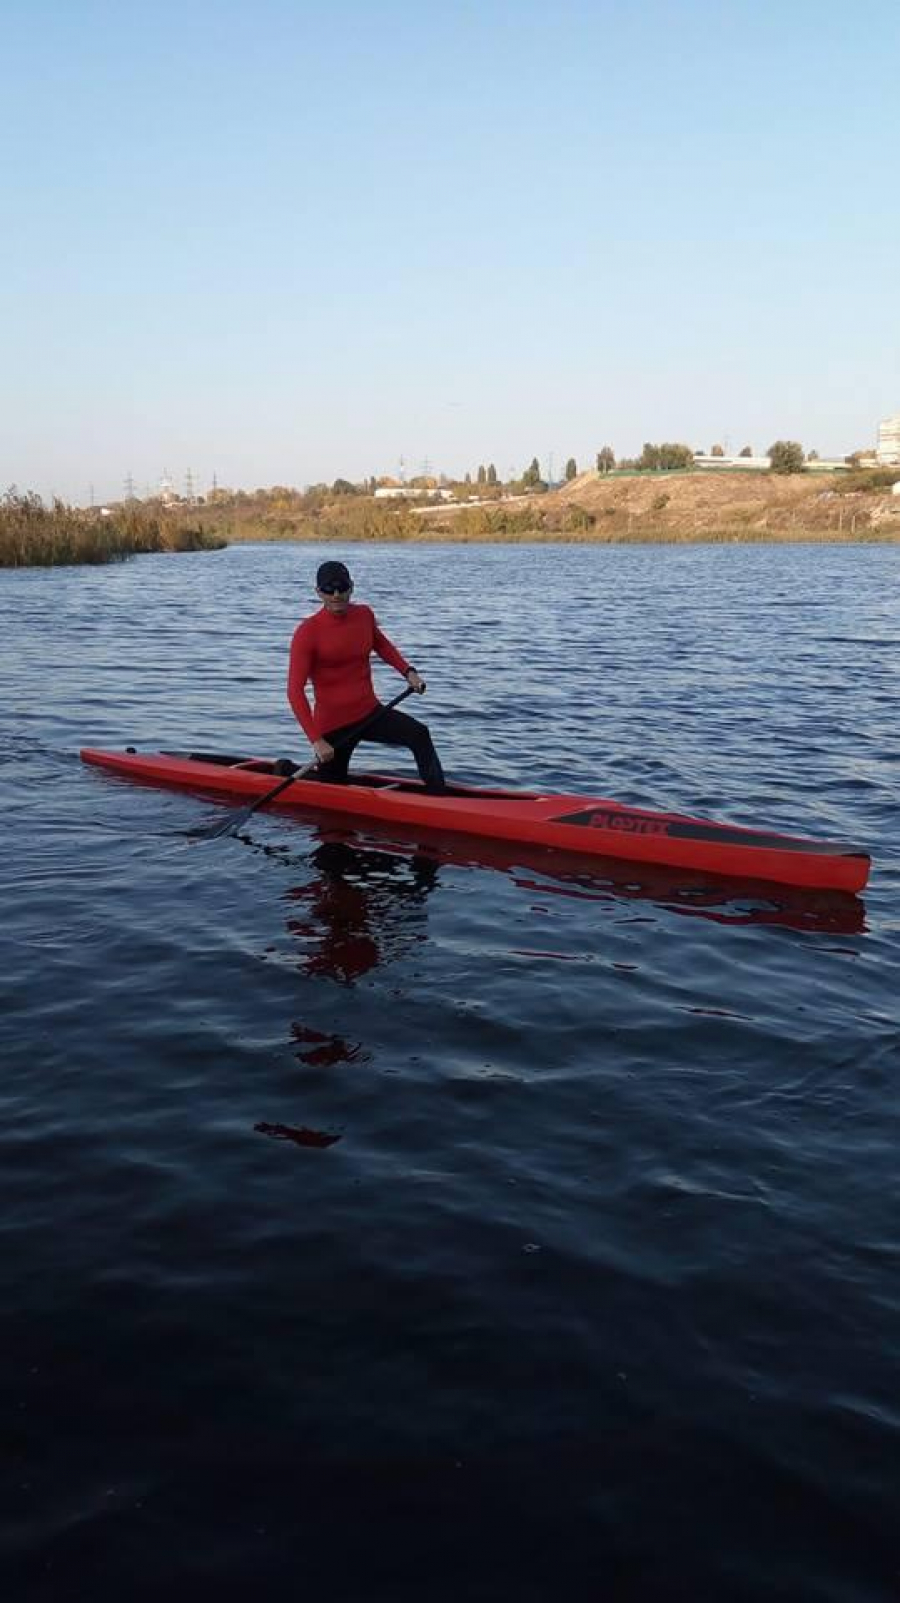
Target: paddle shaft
{"points": [[310, 768]]}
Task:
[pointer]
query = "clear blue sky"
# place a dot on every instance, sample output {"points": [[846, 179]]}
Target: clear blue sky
{"points": [[286, 241]]}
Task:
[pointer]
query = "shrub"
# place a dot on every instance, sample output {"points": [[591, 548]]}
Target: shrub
{"points": [[786, 456], [866, 479]]}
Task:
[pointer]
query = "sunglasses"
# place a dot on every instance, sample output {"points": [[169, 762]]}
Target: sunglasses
{"points": [[335, 589]]}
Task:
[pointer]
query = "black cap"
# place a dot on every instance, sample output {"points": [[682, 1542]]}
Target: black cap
{"points": [[333, 576]]}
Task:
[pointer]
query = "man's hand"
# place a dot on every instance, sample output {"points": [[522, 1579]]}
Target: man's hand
{"points": [[415, 682], [323, 751]]}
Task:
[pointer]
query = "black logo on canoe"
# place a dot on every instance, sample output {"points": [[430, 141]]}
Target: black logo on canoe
{"points": [[616, 819]]}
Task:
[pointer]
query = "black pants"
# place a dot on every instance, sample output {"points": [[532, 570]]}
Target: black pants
{"points": [[391, 729]]}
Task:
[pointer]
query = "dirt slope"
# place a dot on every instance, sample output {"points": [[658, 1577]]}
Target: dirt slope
{"points": [[691, 505]]}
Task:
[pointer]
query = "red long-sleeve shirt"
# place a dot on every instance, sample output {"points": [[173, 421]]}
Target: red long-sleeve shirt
{"points": [[333, 650]]}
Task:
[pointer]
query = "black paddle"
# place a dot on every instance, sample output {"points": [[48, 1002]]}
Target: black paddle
{"points": [[232, 822]]}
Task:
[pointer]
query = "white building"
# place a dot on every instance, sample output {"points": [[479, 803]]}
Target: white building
{"points": [[408, 492], [888, 448], [762, 464], [757, 464]]}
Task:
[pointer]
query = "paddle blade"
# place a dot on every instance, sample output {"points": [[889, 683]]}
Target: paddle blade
{"points": [[232, 822]]}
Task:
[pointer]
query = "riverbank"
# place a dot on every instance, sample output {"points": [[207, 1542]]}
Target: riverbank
{"points": [[33, 535], [639, 509]]}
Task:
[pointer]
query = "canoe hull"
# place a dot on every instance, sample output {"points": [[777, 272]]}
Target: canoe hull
{"points": [[585, 825]]}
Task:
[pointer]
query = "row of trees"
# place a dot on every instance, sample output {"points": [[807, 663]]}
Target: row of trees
{"points": [[786, 456], [665, 458]]}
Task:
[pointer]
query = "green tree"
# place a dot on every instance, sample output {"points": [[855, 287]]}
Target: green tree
{"points": [[606, 459], [717, 451], [492, 474], [747, 451], [786, 456], [531, 478], [571, 469], [665, 458]]}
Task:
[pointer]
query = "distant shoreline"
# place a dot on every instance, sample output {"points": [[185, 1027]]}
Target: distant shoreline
{"points": [[797, 536], [640, 509]]}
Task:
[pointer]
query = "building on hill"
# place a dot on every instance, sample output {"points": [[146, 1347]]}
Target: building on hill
{"points": [[888, 448], [762, 464], [409, 492], [756, 464]]}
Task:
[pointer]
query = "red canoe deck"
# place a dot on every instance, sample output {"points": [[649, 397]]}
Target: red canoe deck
{"points": [[590, 825]]}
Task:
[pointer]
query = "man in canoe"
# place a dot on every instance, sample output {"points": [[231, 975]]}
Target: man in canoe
{"points": [[332, 649]]}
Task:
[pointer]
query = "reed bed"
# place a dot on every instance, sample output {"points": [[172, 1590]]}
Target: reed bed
{"points": [[33, 534]]}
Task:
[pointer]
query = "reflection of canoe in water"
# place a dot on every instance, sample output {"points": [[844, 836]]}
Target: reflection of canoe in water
{"points": [[584, 825], [407, 863], [719, 898]]}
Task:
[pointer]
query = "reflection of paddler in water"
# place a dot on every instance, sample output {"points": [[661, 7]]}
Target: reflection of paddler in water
{"points": [[363, 908], [365, 874]]}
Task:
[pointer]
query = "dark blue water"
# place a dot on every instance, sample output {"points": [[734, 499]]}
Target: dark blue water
{"points": [[384, 1219]]}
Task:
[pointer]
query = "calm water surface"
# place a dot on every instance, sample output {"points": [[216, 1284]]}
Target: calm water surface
{"points": [[382, 1219]]}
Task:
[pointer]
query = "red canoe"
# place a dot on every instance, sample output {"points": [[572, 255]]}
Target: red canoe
{"points": [[588, 825]]}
